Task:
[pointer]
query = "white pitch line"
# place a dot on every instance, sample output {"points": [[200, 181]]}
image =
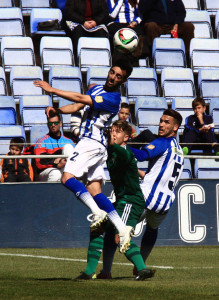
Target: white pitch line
{"points": [[73, 259]]}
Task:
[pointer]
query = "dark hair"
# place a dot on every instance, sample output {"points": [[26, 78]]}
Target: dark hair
{"points": [[198, 101], [124, 126], [175, 114], [18, 141], [54, 114], [125, 65], [125, 105]]}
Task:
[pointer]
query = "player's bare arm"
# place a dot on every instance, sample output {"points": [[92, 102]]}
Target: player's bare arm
{"points": [[71, 96], [66, 109]]}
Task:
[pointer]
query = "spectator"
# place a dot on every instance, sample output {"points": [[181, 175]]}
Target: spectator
{"points": [[53, 143], [124, 114], [199, 128], [166, 16], [17, 169], [86, 18], [124, 13]]}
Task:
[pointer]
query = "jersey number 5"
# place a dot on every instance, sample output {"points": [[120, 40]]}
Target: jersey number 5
{"points": [[175, 176]]}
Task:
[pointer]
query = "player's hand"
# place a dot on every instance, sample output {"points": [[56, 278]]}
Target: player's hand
{"points": [[44, 85], [133, 24], [50, 111], [61, 163]]}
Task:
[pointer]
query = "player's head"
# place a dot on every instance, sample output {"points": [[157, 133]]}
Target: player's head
{"points": [[118, 74], [124, 111], [199, 106], [121, 132], [54, 124], [170, 122], [16, 146]]}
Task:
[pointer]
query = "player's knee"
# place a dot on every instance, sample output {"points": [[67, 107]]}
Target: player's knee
{"points": [[68, 150], [54, 175], [65, 177]]}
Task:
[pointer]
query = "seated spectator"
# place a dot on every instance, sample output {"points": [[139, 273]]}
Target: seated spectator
{"points": [[53, 143], [124, 114], [124, 13], [166, 17], [85, 18], [199, 128], [16, 169]]}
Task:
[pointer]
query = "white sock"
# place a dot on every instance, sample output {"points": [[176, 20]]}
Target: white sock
{"points": [[88, 200], [116, 220]]}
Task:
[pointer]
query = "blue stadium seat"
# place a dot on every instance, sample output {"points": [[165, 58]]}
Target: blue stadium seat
{"points": [[206, 168], [11, 22], [201, 21], [212, 6], [56, 51], [187, 170], [37, 132], [21, 81], [7, 3], [8, 115], [217, 24], [93, 52], [168, 52], [177, 82], [148, 111], [142, 82], [191, 4], [208, 83], [17, 51], [27, 5], [32, 110], [7, 132], [204, 54], [97, 75], [65, 78], [3, 85], [214, 111], [66, 118], [44, 14], [184, 107]]}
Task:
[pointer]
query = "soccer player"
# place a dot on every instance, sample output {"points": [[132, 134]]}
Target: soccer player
{"points": [[129, 203], [101, 104]]}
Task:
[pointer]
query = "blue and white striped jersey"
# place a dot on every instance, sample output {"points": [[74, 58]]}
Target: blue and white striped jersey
{"points": [[99, 116], [123, 12], [166, 162]]}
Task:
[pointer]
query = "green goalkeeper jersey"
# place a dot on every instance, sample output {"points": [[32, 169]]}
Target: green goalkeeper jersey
{"points": [[124, 176]]}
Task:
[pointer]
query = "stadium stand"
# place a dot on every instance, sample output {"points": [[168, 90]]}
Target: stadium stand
{"points": [[191, 4], [208, 83], [97, 75], [27, 5], [3, 85], [7, 132], [187, 170], [214, 111], [206, 168], [37, 132], [11, 22], [184, 107], [202, 22], [6, 3], [217, 24], [8, 115], [212, 6], [66, 118]]}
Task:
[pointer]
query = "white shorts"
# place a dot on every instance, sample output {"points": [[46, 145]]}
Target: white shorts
{"points": [[88, 158]]}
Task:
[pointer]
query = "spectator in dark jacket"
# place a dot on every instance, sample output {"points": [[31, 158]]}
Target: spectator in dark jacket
{"points": [[199, 128], [166, 16]]}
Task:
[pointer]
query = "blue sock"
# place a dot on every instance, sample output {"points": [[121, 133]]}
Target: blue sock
{"points": [[104, 203], [75, 186]]}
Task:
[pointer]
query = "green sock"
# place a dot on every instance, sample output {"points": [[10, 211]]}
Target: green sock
{"points": [[217, 153], [185, 150], [94, 252], [133, 254]]}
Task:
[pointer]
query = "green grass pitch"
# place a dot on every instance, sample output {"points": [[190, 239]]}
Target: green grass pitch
{"points": [[181, 273]]}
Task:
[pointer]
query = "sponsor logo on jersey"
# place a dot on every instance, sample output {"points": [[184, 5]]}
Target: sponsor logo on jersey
{"points": [[99, 99], [151, 147]]}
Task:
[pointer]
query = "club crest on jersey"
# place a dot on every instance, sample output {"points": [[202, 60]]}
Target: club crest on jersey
{"points": [[99, 99], [151, 147]]}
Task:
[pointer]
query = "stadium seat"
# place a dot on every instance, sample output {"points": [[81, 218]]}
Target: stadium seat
{"points": [[65, 78], [206, 168], [208, 83], [148, 111], [56, 51], [8, 115], [142, 82], [60, 4], [201, 21], [204, 54], [32, 110], [97, 75], [37, 131], [177, 82], [66, 118], [191, 4], [184, 107], [217, 24], [187, 170], [44, 14], [27, 5], [7, 132], [212, 6], [168, 52], [142, 165], [17, 51], [3, 85], [11, 22], [93, 52], [21, 81], [214, 111], [6, 3]]}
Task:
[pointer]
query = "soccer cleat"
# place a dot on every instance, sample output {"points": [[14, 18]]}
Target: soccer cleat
{"points": [[125, 238], [104, 276], [84, 276], [98, 219], [145, 274]]}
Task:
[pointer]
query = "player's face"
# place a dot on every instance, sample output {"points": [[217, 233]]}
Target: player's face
{"points": [[167, 126], [15, 150], [123, 114], [54, 125], [118, 136], [115, 78]]}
